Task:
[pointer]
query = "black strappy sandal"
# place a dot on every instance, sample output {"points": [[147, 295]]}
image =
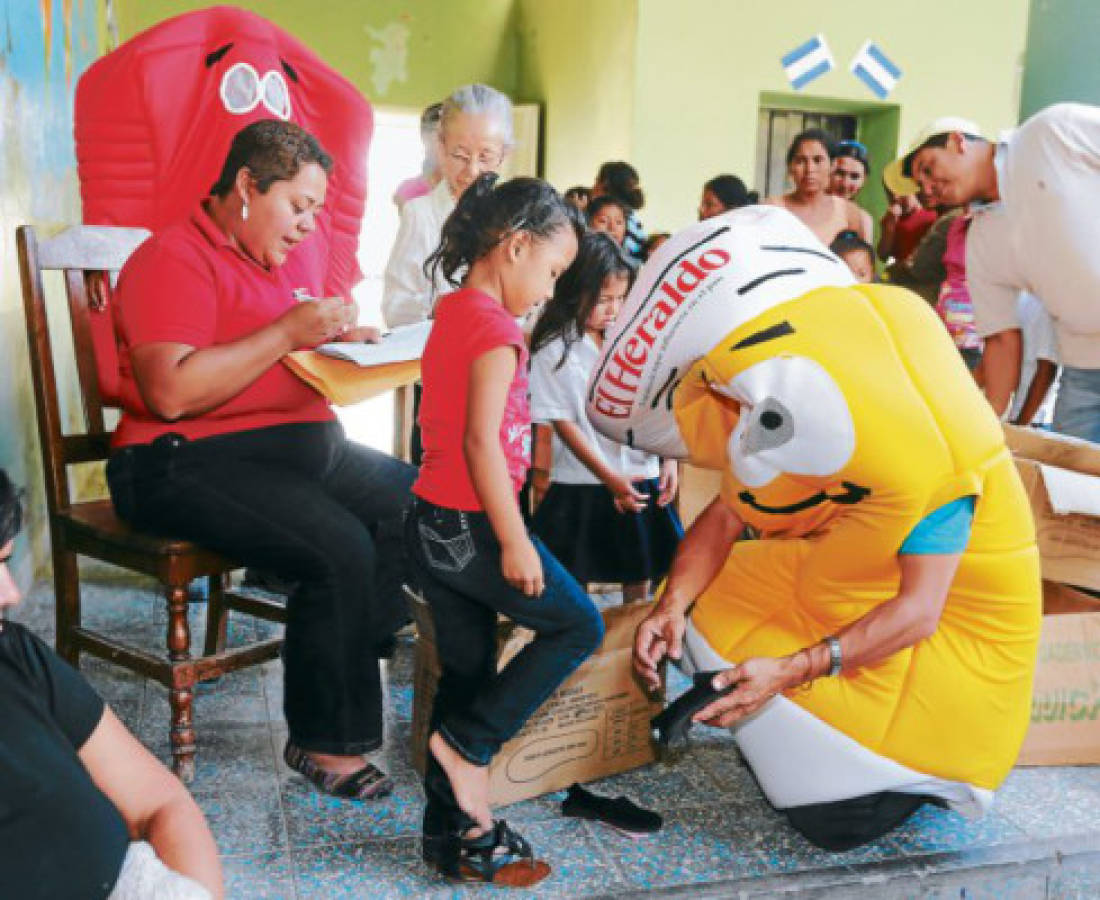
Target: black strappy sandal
{"points": [[369, 783], [500, 856]]}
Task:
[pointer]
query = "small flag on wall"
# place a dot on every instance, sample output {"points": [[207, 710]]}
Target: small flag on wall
{"points": [[875, 69], [807, 62]]}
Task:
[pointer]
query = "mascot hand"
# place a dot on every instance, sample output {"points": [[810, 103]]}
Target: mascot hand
{"points": [[661, 634], [758, 680]]}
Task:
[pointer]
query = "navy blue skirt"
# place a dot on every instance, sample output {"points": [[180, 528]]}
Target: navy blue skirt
{"points": [[598, 544]]}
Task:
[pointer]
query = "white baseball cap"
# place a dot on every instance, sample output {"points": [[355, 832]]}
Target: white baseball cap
{"points": [[897, 177]]}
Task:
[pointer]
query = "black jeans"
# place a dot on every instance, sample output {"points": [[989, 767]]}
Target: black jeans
{"points": [[457, 558], [307, 504]]}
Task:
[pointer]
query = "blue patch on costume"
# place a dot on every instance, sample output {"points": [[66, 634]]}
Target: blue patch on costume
{"points": [[946, 530]]}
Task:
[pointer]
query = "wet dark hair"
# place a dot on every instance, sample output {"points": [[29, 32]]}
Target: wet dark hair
{"points": [[849, 241], [853, 150], [731, 191], [487, 212], [272, 151], [598, 203], [11, 509], [804, 137], [578, 289], [937, 140], [620, 180]]}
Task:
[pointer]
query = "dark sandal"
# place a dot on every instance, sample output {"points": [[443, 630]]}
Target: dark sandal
{"points": [[500, 856], [369, 783]]}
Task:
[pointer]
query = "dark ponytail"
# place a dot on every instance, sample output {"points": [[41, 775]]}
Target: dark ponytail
{"points": [[578, 289], [488, 212]]}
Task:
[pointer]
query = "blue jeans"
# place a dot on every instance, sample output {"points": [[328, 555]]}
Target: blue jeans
{"points": [[1077, 410], [456, 557]]}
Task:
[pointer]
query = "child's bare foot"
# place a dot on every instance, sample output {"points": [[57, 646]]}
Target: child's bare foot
{"points": [[469, 783]]}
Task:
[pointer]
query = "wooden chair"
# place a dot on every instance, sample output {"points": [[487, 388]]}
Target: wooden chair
{"points": [[89, 258]]}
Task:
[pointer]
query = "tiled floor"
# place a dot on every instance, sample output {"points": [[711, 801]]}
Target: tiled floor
{"points": [[279, 838]]}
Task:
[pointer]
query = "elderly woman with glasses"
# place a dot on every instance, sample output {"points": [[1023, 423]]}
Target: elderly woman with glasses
{"points": [[475, 136]]}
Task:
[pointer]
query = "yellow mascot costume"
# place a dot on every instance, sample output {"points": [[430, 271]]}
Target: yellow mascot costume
{"points": [[841, 417]]}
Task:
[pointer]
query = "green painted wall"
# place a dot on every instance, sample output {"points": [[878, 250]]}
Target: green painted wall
{"points": [[405, 53], [702, 65], [1063, 49], [577, 59]]}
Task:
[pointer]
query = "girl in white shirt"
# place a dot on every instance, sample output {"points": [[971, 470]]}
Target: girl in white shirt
{"points": [[606, 515], [475, 136]]}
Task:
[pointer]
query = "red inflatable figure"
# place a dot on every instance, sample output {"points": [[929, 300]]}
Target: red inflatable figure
{"points": [[154, 119]]}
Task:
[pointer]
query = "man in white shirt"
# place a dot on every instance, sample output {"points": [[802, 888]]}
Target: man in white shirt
{"points": [[1041, 234]]}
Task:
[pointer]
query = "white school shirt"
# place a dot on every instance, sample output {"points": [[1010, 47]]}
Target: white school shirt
{"points": [[407, 293], [1042, 237], [560, 394], [1039, 342]]}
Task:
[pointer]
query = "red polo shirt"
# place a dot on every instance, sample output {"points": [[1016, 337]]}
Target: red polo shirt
{"points": [[189, 285]]}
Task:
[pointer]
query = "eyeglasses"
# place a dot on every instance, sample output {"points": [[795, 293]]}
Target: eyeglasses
{"points": [[487, 160], [242, 90]]}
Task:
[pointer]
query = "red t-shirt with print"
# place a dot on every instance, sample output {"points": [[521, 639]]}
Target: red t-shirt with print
{"points": [[468, 323], [188, 284]]}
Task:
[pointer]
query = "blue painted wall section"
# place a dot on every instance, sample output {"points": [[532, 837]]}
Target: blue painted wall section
{"points": [[45, 45]]}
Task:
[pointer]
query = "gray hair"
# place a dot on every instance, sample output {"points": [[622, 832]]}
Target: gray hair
{"points": [[481, 100]]}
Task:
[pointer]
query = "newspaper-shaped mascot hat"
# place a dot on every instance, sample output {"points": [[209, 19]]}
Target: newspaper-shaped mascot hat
{"points": [[702, 284]]}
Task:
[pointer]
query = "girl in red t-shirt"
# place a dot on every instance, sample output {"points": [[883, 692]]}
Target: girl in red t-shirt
{"points": [[465, 535]]}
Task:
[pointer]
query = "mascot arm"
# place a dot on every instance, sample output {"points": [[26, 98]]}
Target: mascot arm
{"points": [[701, 555], [905, 619], [900, 622]]}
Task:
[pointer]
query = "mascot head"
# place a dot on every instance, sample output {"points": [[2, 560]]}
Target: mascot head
{"points": [[746, 347]]}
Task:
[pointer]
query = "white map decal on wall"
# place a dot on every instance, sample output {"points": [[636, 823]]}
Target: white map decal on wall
{"points": [[390, 56]]}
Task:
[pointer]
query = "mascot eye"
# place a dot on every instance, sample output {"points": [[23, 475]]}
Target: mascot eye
{"points": [[794, 419], [291, 72]]}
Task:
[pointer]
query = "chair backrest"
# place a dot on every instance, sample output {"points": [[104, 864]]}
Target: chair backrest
{"points": [[89, 258]]}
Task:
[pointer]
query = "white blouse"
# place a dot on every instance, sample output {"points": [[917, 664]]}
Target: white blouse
{"points": [[559, 394], [408, 296]]}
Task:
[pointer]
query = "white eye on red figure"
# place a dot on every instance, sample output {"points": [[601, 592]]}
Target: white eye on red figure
{"points": [[794, 420], [242, 90]]}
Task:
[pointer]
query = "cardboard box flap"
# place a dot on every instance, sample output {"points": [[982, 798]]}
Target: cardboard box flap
{"points": [[1053, 449], [1071, 492]]}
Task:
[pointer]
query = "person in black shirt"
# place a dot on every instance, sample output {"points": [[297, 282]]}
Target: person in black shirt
{"points": [[85, 810]]}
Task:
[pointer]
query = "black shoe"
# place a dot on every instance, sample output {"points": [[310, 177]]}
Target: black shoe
{"points": [[675, 721], [619, 813]]}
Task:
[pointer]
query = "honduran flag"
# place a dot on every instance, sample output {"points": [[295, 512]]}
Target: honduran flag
{"points": [[875, 69], [807, 62]]}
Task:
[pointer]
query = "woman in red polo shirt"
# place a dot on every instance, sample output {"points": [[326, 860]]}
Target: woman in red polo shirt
{"points": [[220, 444]]}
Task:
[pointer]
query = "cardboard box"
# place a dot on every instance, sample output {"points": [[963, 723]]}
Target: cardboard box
{"points": [[1065, 706], [1053, 449], [596, 724], [1059, 599], [1062, 479]]}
